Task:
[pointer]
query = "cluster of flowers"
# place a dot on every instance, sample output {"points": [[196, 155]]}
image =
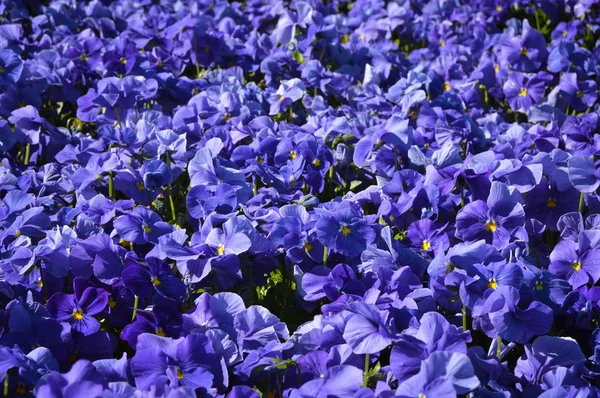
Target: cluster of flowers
{"points": [[299, 199]]}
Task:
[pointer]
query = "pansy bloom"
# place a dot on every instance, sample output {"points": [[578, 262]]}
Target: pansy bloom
{"points": [[78, 309]]}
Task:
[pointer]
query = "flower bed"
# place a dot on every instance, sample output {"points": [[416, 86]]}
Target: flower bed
{"points": [[299, 199]]}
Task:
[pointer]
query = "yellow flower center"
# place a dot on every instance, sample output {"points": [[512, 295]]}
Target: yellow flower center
{"points": [[40, 283], [492, 284], [78, 315], [160, 332], [490, 226], [156, 281], [1, 69], [179, 374], [20, 390], [221, 249], [112, 303], [426, 245], [206, 49], [316, 163], [307, 246], [140, 186], [524, 51], [421, 395], [497, 68], [576, 266], [124, 243], [579, 94], [160, 63], [293, 155], [259, 160], [565, 33], [84, 57], [147, 229], [446, 86], [362, 36], [17, 233], [523, 92], [443, 43], [123, 61], [551, 203], [345, 230], [539, 285], [498, 8]]}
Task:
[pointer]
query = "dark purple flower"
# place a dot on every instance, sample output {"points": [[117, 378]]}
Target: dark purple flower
{"points": [[580, 95], [11, 67], [501, 316], [141, 225], [525, 53], [344, 230], [289, 92], [78, 309], [577, 262], [369, 330], [431, 334], [522, 92], [161, 361], [156, 174], [494, 220], [443, 374], [164, 321], [144, 281]]}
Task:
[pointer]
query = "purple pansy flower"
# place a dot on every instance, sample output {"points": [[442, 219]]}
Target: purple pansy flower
{"points": [[78, 309], [577, 261], [494, 220], [345, 231], [141, 225]]}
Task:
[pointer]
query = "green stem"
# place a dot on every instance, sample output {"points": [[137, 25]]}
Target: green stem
{"points": [[324, 255], [6, 381], [322, 53], [366, 371], [486, 98], [464, 318], [499, 349], [173, 213], [581, 203], [135, 306], [111, 186], [27, 153]]}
